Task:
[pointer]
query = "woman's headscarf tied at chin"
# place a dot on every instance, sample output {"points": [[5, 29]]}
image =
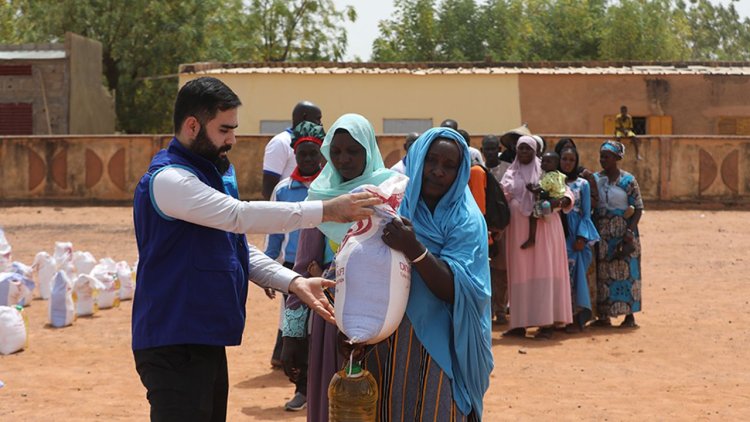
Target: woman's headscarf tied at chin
{"points": [[456, 233], [519, 175], [329, 184]]}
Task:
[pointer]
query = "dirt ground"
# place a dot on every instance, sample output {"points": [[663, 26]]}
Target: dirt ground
{"points": [[688, 361]]}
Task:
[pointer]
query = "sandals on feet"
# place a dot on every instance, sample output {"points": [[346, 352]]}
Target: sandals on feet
{"points": [[544, 333], [601, 323], [515, 332]]}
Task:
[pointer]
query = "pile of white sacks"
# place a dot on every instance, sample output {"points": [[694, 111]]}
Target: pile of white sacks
{"points": [[72, 282]]}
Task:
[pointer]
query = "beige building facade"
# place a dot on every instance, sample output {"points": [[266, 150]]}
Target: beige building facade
{"points": [[553, 98]]}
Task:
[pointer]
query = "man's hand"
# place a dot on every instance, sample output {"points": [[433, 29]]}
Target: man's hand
{"points": [[310, 291], [270, 293], [350, 207]]}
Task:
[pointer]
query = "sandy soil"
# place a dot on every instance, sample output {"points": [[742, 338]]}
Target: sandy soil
{"points": [[688, 361]]}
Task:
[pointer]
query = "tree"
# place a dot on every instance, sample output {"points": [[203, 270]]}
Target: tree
{"points": [[410, 36], [503, 28], [144, 41], [644, 30], [716, 31], [564, 29], [459, 33], [302, 29]]}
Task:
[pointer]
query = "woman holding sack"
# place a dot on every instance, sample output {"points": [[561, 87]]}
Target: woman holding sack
{"points": [[619, 251], [353, 160], [436, 366]]}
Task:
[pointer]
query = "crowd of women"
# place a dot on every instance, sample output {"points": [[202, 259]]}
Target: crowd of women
{"points": [[438, 362]]}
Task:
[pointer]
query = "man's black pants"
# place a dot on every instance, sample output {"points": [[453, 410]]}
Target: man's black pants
{"points": [[187, 382]]}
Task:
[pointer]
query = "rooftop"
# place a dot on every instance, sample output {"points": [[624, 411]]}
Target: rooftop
{"points": [[476, 68]]}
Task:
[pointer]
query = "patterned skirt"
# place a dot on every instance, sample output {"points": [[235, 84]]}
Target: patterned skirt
{"points": [[618, 279], [412, 387]]}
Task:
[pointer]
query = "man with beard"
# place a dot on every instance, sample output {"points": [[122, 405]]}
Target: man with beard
{"points": [[195, 263]]}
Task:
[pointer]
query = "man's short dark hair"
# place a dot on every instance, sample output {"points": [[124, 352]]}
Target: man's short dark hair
{"points": [[202, 98]]}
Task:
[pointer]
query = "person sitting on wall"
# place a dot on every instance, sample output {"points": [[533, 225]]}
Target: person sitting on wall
{"points": [[624, 129]]}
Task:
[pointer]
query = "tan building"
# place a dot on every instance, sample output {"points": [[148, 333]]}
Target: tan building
{"points": [[570, 98], [55, 89]]}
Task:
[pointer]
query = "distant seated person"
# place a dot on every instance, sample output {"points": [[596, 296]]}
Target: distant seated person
{"points": [[549, 192], [400, 166], [624, 129]]}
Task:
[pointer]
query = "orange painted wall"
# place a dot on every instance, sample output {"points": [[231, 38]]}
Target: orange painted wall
{"points": [[707, 169]]}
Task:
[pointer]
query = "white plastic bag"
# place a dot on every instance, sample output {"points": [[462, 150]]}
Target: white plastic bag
{"points": [[44, 268], [86, 290], [126, 276], [64, 257], [106, 272], [12, 289], [27, 279], [13, 330], [372, 280], [83, 262], [5, 252], [62, 307]]}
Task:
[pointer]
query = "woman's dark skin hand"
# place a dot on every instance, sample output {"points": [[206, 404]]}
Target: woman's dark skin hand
{"points": [[579, 244], [560, 203], [399, 235], [402, 238]]}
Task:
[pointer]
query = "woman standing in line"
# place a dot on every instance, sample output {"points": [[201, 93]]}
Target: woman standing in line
{"points": [[580, 237], [619, 251], [538, 279]]}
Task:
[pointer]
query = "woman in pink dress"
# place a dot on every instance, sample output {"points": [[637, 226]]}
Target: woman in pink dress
{"points": [[538, 277]]}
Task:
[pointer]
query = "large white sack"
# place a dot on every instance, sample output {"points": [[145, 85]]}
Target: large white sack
{"points": [[126, 276], [62, 307], [12, 289], [64, 257], [13, 326], [5, 252], [83, 262], [27, 278], [86, 289], [44, 268], [372, 280], [106, 272]]}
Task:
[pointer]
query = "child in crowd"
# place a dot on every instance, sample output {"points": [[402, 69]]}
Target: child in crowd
{"points": [[551, 186]]}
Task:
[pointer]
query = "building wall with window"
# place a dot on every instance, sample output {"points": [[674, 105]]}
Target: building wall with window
{"points": [[574, 98], [402, 101], [54, 89]]}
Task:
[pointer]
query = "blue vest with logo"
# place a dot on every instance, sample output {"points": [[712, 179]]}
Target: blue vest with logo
{"points": [[191, 280]]}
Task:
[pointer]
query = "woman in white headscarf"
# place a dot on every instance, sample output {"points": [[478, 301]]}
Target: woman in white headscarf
{"points": [[538, 279]]}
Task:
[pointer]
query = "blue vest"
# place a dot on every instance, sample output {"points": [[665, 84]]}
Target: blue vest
{"points": [[191, 280]]}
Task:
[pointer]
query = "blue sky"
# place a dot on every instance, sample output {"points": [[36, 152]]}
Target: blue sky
{"points": [[370, 12]]}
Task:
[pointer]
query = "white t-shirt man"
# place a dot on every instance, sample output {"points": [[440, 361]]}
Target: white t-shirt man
{"points": [[278, 158]]}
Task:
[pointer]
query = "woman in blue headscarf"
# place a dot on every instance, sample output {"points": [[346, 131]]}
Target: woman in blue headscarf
{"points": [[437, 365], [354, 159]]}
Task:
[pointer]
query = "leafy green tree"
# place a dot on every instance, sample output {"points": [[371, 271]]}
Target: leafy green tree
{"points": [[301, 29], [716, 31], [459, 34], [644, 30], [410, 36], [144, 41], [503, 28], [564, 29]]}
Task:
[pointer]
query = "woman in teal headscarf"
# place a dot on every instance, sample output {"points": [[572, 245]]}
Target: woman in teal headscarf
{"points": [[437, 365], [353, 160]]}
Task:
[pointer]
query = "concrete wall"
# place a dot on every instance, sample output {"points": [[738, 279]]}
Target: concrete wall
{"points": [[704, 169], [92, 109], [480, 103], [53, 73], [579, 103]]}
